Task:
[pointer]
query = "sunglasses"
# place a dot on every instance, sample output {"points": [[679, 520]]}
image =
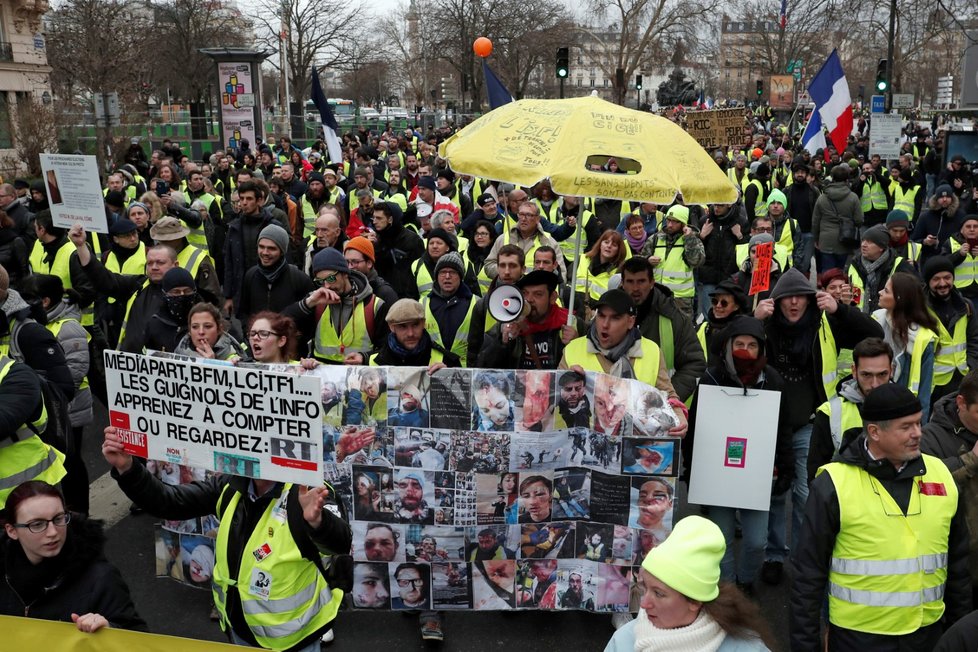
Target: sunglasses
{"points": [[723, 303], [327, 279]]}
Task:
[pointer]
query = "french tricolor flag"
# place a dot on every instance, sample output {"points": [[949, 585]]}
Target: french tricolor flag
{"points": [[830, 93]]}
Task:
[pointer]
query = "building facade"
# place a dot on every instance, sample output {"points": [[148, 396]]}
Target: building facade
{"points": [[24, 70]]}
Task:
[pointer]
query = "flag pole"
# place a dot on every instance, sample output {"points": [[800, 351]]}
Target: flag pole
{"points": [[572, 282]]}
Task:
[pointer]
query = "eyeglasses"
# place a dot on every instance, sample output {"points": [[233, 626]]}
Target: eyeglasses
{"points": [[355, 261], [40, 525], [526, 214], [416, 583], [262, 335], [723, 303], [326, 279]]}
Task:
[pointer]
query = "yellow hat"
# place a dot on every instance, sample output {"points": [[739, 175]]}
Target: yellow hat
{"points": [[678, 213], [688, 560]]}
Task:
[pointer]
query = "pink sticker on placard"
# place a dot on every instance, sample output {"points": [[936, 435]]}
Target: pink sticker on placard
{"points": [[736, 452]]}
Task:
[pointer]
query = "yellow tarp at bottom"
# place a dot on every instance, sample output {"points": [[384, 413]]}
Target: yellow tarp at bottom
{"points": [[52, 636]]}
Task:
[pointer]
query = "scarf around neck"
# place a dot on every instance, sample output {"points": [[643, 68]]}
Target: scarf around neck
{"points": [[702, 635], [636, 243]]}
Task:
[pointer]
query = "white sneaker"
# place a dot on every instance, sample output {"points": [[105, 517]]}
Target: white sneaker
{"points": [[620, 619], [328, 637]]}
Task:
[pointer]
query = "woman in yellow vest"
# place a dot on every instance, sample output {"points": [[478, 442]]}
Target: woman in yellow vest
{"points": [[63, 319], [601, 263], [911, 330], [274, 544]]}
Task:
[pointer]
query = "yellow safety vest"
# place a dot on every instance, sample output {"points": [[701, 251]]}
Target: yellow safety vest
{"points": [[190, 258], [135, 265], [888, 570], [646, 366], [744, 181], [61, 268], [550, 214], [422, 277], [874, 198], [966, 272], [905, 200], [128, 195], [952, 351], [310, 214], [351, 200], [125, 318], [25, 457], [331, 347], [435, 356], [673, 272], [593, 285], [284, 596], [856, 281], [460, 346], [843, 415], [826, 347], [786, 239], [567, 245], [921, 338], [197, 236], [760, 207], [701, 336]]}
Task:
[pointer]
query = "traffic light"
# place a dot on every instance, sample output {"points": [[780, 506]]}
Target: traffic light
{"points": [[563, 63], [638, 82], [760, 87], [882, 78]]}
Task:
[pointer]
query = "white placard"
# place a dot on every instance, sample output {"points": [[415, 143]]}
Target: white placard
{"points": [[903, 100], [74, 192], [219, 417], [884, 135], [736, 435]]}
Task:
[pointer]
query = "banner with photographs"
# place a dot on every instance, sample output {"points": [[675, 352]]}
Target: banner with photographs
{"points": [[487, 489]]}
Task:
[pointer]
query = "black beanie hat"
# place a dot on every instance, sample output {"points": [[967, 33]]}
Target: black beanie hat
{"points": [[937, 264], [178, 277], [889, 401]]}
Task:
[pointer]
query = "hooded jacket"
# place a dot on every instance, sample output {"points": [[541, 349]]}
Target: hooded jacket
{"points": [[942, 222], [13, 255], [73, 339], [225, 348], [234, 251], [79, 580], [837, 202], [258, 294], [946, 437], [720, 245], [813, 554], [37, 347]]}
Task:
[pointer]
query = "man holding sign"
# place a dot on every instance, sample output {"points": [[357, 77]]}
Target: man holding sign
{"points": [[274, 546]]}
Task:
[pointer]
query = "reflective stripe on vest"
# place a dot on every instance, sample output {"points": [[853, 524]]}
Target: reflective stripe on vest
{"points": [[952, 350], [60, 267], [888, 570], [646, 367], [786, 239], [190, 258], [460, 346], [875, 198], [672, 271], [905, 200], [354, 339], [284, 596], [567, 245], [744, 181], [843, 415], [135, 265], [966, 272], [422, 277], [197, 236]]}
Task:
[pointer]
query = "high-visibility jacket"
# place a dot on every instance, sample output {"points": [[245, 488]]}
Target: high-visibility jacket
{"points": [[422, 277], [190, 258], [567, 245], [61, 268], [594, 285], [920, 337], [460, 346], [355, 337], [888, 570], [786, 237], [24, 456], [310, 212], [843, 415], [135, 265], [197, 236], [952, 350], [966, 272], [760, 206], [129, 303], [744, 181], [874, 197], [552, 212], [781, 255], [351, 200], [857, 281], [673, 272], [646, 367], [829, 355], [128, 195], [284, 596], [905, 200]]}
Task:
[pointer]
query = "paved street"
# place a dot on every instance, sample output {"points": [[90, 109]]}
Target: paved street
{"points": [[171, 608]]}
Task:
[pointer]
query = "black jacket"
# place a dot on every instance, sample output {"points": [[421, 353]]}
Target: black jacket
{"points": [[37, 345], [234, 253], [196, 499], [396, 248], [148, 302], [720, 246], [79, 580], [20, 399], [258, 294], [690, 363], [13, 255], [813, 553]]}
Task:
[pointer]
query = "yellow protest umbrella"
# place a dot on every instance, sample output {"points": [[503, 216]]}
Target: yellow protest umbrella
{"points": [[527, 141]]}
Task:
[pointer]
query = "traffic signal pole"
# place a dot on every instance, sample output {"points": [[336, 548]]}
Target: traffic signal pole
{"points": [[561, 88], [889, 57]]}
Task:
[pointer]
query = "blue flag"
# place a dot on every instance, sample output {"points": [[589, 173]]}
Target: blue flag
{"points": [[498, 95], [328, 120]]}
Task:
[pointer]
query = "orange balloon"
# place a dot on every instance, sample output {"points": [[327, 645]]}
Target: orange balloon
{"points": [[482, 47]]}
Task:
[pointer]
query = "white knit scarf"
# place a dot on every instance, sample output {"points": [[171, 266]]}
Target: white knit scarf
{"points": [[702, 635]]}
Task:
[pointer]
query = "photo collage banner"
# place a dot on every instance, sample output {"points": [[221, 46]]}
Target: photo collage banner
{"points": [[481, 489]]}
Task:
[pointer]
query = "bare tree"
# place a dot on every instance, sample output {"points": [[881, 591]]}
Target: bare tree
{"points": [[411, 32], [311, 33], [641, 27]]}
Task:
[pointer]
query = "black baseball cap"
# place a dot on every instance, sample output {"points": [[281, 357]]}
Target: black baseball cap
{"points": [[618, 300], [485, 198]]}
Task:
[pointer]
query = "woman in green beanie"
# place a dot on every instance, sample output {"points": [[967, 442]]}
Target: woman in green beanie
{"points": [[684, 606]]}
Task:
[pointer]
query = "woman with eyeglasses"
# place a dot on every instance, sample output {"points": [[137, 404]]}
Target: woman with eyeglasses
{"points": [[727, 300], [272, 338], [207, 335], [54, 565]]}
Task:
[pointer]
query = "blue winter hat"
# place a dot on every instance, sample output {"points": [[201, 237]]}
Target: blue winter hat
{"points": [[331, 260]]}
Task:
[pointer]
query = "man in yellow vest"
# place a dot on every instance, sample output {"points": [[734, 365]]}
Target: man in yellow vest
{"points": [[893, 555], [962, 251], [898, 226], [677, 251], [957, 350], [527, 234], [54, 254], [449, 306], [869, 269], [613, 345], [275, 544], [738, 174], [837, 421], [755, 196]]}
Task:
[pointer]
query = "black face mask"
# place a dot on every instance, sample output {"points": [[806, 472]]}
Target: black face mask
{"points": [[179, 307]]}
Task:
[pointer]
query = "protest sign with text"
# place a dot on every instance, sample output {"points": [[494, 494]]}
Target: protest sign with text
{"points": [[718, 128], [760, 280], [74, 192], [219, 417]]}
